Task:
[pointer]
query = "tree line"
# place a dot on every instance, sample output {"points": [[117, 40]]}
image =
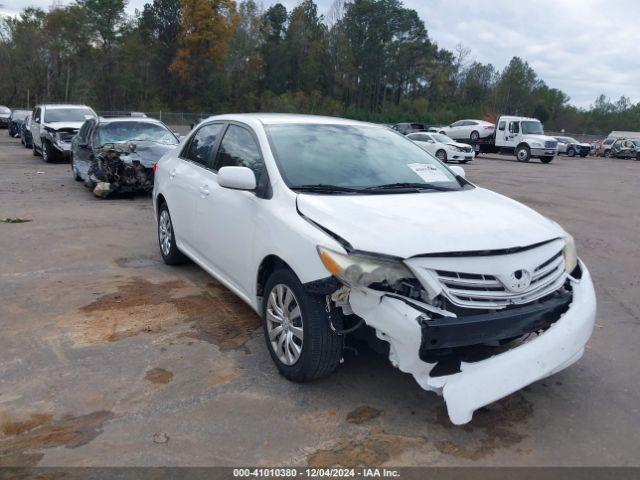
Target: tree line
{"points": [[366, 59]]}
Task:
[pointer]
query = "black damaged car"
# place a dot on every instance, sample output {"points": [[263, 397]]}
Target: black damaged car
{"points": [[118, 154], [16, 119]]}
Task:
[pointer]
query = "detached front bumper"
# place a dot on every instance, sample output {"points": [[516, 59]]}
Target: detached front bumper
{"points": [[477, 384]]}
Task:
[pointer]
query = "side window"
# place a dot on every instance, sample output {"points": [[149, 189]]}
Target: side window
{"points": [[502, 125], [514, 127], [239, 149], [457, 124], [36, 115], [470, 122], [82, 134], [201, 145]]}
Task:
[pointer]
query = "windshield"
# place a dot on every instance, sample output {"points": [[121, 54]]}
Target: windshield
{"points": [[637, 143], [19, 114], [441, 138], [531, 127], [353, 157], [126, 131], [67, 114]]}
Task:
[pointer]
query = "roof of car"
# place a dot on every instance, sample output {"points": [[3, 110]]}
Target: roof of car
{"points": [[287, 118], [105, 120], [62, 105]]}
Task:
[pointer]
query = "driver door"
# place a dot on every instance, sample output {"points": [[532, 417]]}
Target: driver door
{"points": [[512, 135], [225, 219]]}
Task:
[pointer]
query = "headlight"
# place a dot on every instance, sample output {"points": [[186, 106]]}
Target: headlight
{"points": [[362, 271], [570, 254], [536, 144]]}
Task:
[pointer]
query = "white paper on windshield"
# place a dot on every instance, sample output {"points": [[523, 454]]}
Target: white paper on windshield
{"points": [[429, 173]]}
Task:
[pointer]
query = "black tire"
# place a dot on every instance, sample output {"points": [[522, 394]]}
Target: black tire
{"points": [[475, 136], [172, 255], [607, 153], [523, 153], [546, 159], [321, 346], [571, 152], [463, 161], [441, 155], [74, 172], [48, 152], [582, 155]]}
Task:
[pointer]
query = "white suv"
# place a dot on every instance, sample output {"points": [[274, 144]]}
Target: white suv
{"points": [[328, 227]]}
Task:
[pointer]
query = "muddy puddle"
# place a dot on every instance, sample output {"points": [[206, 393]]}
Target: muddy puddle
{"points": [[139, 306]]}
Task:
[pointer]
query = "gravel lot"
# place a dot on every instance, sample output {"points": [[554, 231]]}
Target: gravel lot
{"points": [[109, 357]]}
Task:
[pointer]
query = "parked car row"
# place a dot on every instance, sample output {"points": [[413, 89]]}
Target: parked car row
{"points": [[108, 154]]}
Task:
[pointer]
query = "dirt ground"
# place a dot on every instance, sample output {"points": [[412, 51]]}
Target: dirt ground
{"points": [[109, 357]]}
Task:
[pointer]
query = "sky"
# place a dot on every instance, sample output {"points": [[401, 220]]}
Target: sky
{"points": [[582, 47]]}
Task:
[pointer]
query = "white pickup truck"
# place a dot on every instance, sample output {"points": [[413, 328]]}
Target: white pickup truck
{"points": [[520, 136]]}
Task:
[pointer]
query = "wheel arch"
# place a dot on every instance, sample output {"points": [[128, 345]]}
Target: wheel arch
{"points": [[268, 265]]}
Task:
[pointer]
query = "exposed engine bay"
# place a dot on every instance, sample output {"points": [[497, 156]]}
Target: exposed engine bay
{"points": [[119, 168]]}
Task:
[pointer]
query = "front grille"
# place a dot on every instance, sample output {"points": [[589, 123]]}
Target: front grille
{"points": [[550, 144], [473, 290], [468, 149]]}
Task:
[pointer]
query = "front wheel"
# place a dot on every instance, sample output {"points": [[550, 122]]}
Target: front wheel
{"points": [[48, 152], [546, 159], [167, 238], [297, 329], [571, 152], [441, 155], [74, 171], [523, 154]]}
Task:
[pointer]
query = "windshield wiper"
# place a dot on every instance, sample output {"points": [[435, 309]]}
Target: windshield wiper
{"points": [[325, 188], [410, 186]]}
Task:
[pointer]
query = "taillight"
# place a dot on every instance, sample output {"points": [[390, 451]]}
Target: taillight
{"points": [[488, 127], [155, 167]]}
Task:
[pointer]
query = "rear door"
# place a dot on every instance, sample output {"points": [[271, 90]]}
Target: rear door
{"points": [[187, 173], [226, 218]]}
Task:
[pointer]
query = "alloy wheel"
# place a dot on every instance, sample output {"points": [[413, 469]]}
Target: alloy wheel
{"points": [[164, 232], [284, 324]]}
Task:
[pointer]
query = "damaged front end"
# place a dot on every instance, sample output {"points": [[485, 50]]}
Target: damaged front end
{"points": [[120, 167], [473, 328]]}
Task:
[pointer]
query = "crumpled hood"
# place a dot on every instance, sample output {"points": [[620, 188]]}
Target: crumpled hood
{"points": [[147, 153], [405, 225], [63, 125]]}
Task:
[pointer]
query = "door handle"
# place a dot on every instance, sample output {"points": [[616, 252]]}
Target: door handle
{"points": [[172, 173], [204, 190]]}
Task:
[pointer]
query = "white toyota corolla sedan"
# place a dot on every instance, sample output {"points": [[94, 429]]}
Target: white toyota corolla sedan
{"points": [[331, 228]]}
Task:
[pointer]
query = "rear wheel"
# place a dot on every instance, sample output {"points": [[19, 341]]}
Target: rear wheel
{"points": [[297, 329], [475, 136], [441, 155], [167, 238], [546, 159], [523, 154]]}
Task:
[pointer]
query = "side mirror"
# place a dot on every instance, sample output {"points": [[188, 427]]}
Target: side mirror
{"points": [[237, 178], [458, 171]]}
